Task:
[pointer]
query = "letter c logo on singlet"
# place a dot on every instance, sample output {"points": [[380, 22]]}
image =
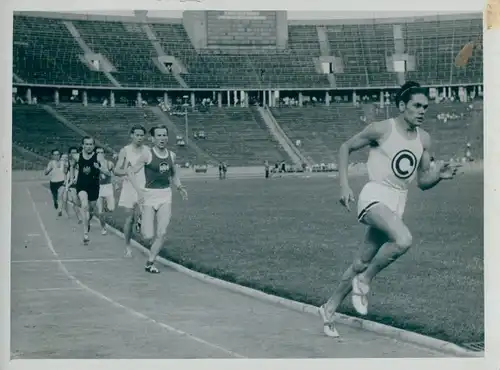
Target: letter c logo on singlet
{"points": [[404, 164]]}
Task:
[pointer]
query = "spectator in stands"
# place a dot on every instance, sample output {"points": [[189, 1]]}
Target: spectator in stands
{"points": [[266, 167]]}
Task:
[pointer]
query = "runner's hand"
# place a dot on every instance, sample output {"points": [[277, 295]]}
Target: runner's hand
{"points": [[183, 192], [346, 196], [447, 171]]}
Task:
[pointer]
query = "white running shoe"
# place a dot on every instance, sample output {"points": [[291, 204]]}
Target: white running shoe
{"points": [[104, 231], [328, 325], [359, 297]]}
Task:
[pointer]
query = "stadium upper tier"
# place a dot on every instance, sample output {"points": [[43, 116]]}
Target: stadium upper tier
{"points": [[50, 51]]}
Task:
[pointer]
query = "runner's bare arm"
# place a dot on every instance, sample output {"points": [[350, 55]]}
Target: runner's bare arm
{"points": [[132, 170], [370, 135], [75, 170], [111, 167], [48, 169], [103, 165], [120, 169], [175, 175], [176, 180], [428, 176]]}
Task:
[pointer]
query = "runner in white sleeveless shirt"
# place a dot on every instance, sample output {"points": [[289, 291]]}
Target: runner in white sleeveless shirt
{"points": [[127, 157], [57, 171], [106, 200], [399, 153], [155, 194]]}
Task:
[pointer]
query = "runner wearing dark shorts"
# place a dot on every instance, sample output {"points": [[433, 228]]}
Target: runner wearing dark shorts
{"points": [[89, 167]]}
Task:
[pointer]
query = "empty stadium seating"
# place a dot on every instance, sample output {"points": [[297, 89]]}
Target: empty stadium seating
{"points": [[323, 129], [22, 159], [46, 53], [38, 131], [233, 135], [112, 125], [128, 49], [435, 45], [320, 129]]}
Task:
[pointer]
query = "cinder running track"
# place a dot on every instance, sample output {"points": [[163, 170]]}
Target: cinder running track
{"points": [[88, 302]]}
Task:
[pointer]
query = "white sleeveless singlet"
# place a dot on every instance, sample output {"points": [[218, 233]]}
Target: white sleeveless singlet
{"points": [[395, 161], [131, 158], [392, 166], [57, 174]]}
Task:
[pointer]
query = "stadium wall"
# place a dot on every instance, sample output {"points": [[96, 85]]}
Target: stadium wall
{"points": [[350, 18]]}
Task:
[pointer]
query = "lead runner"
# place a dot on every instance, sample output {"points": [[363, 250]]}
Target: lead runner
{"points": [[399, 153]]}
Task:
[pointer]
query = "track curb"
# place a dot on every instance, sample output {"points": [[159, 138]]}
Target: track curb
{"points": [[386, 330]]}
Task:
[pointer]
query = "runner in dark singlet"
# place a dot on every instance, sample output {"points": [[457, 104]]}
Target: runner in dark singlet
{"points": [[156, 195], [89, 167]]}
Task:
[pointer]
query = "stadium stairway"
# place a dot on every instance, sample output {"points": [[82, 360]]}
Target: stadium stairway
{"points": [[38, 131], [316, 129], [233, 136], [23, 159], [75, 128], [265, 115]]}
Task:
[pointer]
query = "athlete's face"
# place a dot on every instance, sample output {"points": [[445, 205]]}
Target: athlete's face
{"points": [[64, 158], [137, 137], [100, 152], [414, 110], [74, 154], [88, 145], [56, 155], [160, 138]]}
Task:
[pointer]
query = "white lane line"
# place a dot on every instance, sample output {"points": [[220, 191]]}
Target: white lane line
{"points": [[45, 290], [114, 303], [70, 260]]}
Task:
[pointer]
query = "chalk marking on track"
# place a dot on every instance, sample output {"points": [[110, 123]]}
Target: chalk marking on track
{"points": [[46, 290], [114, 303], [70, 260]]}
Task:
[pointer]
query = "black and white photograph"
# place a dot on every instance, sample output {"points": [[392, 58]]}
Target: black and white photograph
{"points": [[246, 184]]}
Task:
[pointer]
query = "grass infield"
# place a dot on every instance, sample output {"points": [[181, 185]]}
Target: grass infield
{"points": [[290, 237]]}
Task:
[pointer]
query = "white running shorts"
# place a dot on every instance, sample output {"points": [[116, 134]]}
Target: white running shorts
{"points": [[106, 191], [128, 196], [157, 197], [374, 193]]}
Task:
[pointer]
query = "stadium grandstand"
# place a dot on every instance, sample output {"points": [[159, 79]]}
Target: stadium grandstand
{"points": [[240, 87]]}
